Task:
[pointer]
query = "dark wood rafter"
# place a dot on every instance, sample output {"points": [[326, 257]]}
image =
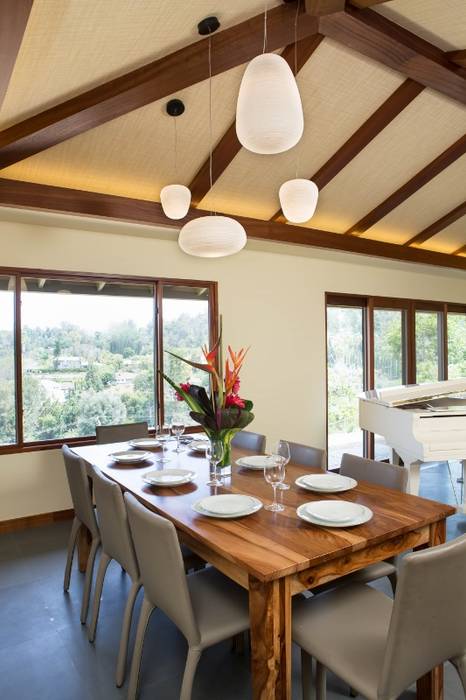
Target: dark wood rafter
{"points": [[382, 117], [460, 251], [230, 48], [376, 37], [438, 225], [29, 195], [228, 146], [421, 178], [324, 7], [14, 15], [363, 4], [458, 57]]}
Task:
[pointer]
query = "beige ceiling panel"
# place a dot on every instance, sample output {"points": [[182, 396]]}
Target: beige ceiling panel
{"points": [[339, 90], [450, 239], [424, 207], [428, 126], [133, 155], [73, 45], [442, 22]]}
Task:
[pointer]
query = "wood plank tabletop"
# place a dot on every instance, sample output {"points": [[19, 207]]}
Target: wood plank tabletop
{"points": [[267, 545]]}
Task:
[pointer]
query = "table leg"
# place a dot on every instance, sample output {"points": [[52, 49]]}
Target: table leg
{"points": [[430, 686], [270, 618], [84, 547]]}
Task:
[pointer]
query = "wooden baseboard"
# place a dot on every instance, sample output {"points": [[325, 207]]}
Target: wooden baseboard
{"points": [[35, 521]]}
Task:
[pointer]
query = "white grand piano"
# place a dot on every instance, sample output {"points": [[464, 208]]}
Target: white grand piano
{"points": [[420, 422]]}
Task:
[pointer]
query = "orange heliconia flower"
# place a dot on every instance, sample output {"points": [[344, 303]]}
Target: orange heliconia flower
{"points": [[232, 370]]}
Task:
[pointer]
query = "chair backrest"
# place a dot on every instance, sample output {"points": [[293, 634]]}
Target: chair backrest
{"points": [[428, 623], [121, 433], [80, 490], [113, 523], [306, 455], [245, 440], [381, 473], [161, 566]]}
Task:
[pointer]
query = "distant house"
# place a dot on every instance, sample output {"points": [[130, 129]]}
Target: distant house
{"points": [[70, 362]]}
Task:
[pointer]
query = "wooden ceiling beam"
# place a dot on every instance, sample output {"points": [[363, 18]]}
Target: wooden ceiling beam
{"points": [[362, 4], [458, 57], [438, 225], [27, 195], [378, 120], [230, 48], [378, 38], [14, 15], [460, 251], [421, 178], [324, 7], [228, 146]]}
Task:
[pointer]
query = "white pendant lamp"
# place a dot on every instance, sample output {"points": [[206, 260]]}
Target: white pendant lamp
{"points": [[212, 237], [175, 199], [269, 112], [298, 199]]}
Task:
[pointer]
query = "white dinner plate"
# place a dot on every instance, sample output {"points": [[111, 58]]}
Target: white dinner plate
{"points": [[145, 443], [198, 436], [227, 506], [326, 483], [129, 456], [364, 515], [169, 477], [199, 446], [252, 462]]}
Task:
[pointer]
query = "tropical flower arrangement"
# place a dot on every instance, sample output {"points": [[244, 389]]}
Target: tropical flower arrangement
{"points": [[222, 412]]}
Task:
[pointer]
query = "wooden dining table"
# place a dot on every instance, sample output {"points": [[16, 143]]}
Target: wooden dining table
{"points": [[276, 555]]}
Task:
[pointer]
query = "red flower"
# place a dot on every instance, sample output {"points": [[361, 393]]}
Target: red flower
{"points": [[234, 400], [185, 387], [236, 386]]}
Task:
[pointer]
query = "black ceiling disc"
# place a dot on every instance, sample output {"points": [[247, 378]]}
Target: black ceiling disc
{"points": [[209, 25], [175, 108]]}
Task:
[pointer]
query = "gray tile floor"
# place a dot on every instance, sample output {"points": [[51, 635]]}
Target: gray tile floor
{"points": [[44, 652]]}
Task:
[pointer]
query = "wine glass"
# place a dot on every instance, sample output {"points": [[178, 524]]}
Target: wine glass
{"points": [[282, 448], [163, 434], [274, 473], [178, 428], [214, 454]]}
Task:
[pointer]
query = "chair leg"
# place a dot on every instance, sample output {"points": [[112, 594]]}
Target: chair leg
{"points": [[393, 581], [88, 579], [189, 672], [99, 583], [71, 547], [460, 665], [306, 676], [125, 630], [321, 681], [144, 617]]}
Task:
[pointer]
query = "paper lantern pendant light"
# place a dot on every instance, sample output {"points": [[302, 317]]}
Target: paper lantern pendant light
{"points": [[269, 112], [212, 237], [298, 199], [175, 200]]}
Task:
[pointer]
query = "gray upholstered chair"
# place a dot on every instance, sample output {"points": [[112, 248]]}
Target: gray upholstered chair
{"points": [[307, 456], [244, 440], [382, 474], [380, 646], [117, 544], [121, 433], [84, 515], [206, 606]]}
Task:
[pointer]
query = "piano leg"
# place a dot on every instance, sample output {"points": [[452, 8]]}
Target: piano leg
{"points": [[414, 474], [463, 485]]}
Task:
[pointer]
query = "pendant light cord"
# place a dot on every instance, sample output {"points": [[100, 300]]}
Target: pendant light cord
{"points": [[211, 178], [264, 47], [296, 69], [175, 143]]}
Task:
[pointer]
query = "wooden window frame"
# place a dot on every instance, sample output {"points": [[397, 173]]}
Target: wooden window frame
{"points": [[157, 283], [369, 303]]}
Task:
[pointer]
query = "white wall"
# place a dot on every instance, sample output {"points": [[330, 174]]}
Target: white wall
{"points": [[271, 297]]}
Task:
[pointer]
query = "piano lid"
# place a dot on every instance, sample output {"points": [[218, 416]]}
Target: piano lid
{"points": [[414, 393]]}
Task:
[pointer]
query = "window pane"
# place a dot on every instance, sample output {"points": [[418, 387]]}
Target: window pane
{"points": [[345, 381], [428, 343], [185, 330], [87, 356], [456, 345], [7, 362], [388, 359]]}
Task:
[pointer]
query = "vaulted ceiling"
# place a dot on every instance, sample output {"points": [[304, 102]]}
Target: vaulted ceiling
{"points": [[383, 91]]}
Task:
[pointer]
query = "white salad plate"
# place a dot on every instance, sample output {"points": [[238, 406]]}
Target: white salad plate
{"points": [[145, 443], [227, 506], [129, 456], [334, 513], [326, 483], [199, 446], [252, 462], [169, 477]]}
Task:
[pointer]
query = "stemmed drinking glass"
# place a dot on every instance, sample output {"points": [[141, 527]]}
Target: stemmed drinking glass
{"points": [[163, 434], [274, 473], [178, 430], [214, 454], [282, 448]]}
